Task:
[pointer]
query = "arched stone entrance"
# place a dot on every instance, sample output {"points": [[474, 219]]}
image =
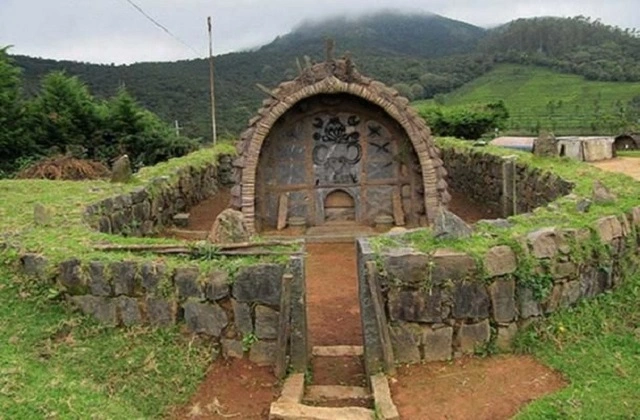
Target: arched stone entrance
{"points": [[330, 130]]}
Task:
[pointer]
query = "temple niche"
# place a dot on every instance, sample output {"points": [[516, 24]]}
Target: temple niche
{"points": [[335, 148], [338, 158]]}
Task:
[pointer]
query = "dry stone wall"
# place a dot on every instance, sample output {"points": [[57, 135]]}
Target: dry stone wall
{"points": [[142, 211], [238, 306], [238, 311], [447, 303], [492, 181]]}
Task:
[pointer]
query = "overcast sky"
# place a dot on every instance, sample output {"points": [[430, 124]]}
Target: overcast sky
{"points": [[112, 31]]}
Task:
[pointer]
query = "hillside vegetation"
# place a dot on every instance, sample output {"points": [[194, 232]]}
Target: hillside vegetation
{"points": [[541, 98], [422, 55]]}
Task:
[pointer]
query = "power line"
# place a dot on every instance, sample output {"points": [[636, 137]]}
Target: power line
{"points": [[159, 25]]}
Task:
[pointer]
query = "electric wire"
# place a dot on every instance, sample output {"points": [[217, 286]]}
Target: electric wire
{"points": [[164, 28]]}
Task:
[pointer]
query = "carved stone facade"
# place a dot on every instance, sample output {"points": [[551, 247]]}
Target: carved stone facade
{"points": [[333, 145]]}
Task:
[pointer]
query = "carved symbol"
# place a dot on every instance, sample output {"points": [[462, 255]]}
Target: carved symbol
{"points": [[318, 123], [375, 130], [336, 151], [381, 148]]}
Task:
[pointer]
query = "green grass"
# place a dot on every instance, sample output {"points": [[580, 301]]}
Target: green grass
{"points": [[596, 346], [67, 235], [56, 364], [527, 92], [629, 153]]}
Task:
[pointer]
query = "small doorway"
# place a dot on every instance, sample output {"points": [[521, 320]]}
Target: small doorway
{"points": [[339, 206]]}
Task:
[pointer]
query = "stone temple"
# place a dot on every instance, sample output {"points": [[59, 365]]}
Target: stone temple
{"points": [[335, 147]]}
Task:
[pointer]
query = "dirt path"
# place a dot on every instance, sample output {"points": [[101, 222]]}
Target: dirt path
{"points": [[481, 389], [333, 308], [625, 165], [233, 388]]}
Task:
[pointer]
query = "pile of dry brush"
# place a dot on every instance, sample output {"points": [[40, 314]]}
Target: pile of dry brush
{"points": [[64, 167]]}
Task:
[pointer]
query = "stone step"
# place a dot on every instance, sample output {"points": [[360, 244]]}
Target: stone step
{"points": [[322, 393], [289, 411], [338, 351]]}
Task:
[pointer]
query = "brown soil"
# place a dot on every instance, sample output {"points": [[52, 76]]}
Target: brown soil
{"points": [[332, 295], [626, 165], [232, 389], [493, 388], [348, 371], [469, 210], [202, 216]]}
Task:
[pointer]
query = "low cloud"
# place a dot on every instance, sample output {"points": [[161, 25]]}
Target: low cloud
{"points": [[107, 31]]}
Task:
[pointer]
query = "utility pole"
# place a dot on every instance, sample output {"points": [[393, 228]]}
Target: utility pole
{"points": [[213, 97], [178, 128]]}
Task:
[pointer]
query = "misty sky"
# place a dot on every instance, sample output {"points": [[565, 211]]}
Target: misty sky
{"points": [[112, 31]]}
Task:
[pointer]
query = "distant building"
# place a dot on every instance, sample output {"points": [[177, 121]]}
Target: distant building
{"points": [[588, 149], [627, 141]]}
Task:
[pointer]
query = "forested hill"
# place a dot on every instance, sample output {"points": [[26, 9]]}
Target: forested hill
{"points": [[574, 45], [422, 55], [386, 35], [390, 46]]}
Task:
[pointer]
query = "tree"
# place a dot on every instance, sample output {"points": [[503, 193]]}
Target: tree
{"points": [[132, 130], [417, 91], [469, 122], [15, 145], [65, 113], [404, 90]]}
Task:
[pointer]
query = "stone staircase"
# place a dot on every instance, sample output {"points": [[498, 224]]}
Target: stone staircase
{"points": [[350, 396]]}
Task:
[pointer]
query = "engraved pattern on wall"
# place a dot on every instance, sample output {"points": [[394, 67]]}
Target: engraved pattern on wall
{"points": [[338, 143]]}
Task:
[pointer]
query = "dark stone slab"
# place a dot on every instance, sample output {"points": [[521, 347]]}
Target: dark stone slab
{"points": [[415, 305], [71, 276], [374, 361], [151, 274], [129, 311], [217, 286], [259, 283], [204, 318], [138, 195], [232, 348], [405, 346], [104, 225], [186, 281], [266, 323], [98, 283], [142, 211], [528, 306], [123, 277], [438, 344], [469, 337], [34, 265], [503, 302], [451, 265], [160, 312], [447, 225], [470, 300], [242, 317], [407, 266], [263, 353], [300, 350], [101, 309], [570, 293]]}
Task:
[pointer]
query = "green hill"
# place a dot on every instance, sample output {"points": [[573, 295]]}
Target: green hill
{"points": [[422, 54], [540, 98], [389, 46], [386, 34]]}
